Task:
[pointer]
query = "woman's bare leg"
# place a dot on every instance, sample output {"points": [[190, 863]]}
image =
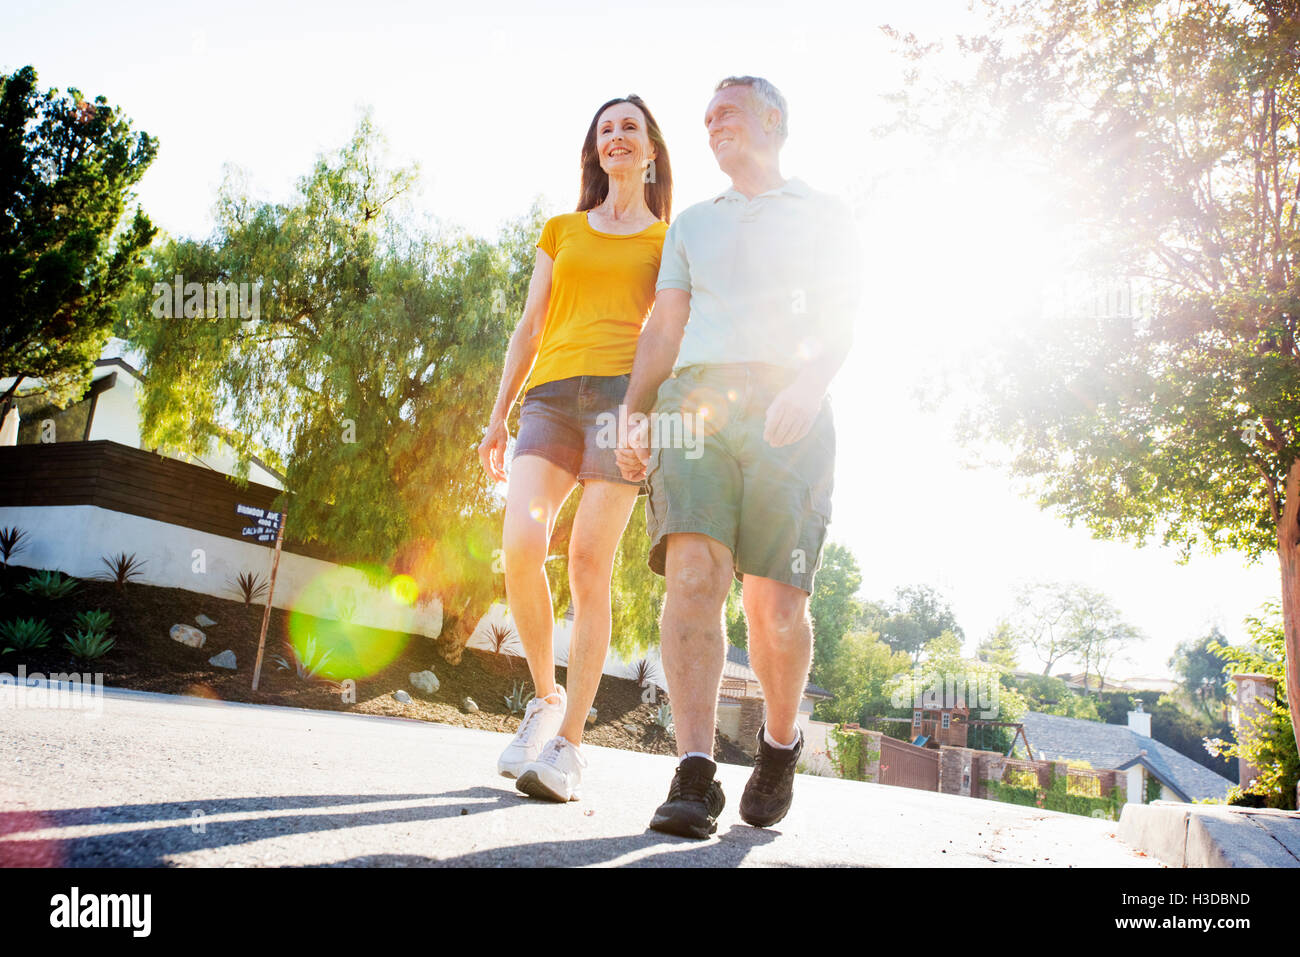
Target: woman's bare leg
{"points": [[597, 528], [536, 491]]}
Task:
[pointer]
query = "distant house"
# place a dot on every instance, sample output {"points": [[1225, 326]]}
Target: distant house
{"points": [[109, 409], [740, 701], [1125, 748]]}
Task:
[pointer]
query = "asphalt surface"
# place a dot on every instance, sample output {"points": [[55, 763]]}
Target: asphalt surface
{"points": [[161, 781]]}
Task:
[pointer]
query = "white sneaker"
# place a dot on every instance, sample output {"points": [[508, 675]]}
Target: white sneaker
{"points": [[542, 720], [557, 774]]}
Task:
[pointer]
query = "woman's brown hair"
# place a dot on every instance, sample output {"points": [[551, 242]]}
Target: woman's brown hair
{"points": [[595, 181]]}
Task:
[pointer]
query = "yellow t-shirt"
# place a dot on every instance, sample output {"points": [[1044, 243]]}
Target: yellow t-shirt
{"points": [[602, 289]]}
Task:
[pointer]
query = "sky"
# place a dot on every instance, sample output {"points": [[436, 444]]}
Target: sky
{"points": [[492, 104]]}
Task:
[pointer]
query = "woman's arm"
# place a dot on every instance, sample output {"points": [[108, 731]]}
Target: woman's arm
{"points": [[522, 352]]}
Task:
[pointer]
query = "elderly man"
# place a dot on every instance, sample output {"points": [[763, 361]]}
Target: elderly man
{"points": [[753, 316]]}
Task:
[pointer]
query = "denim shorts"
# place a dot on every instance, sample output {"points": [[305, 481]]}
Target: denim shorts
{"points": [[573, 423], [770, 506]]}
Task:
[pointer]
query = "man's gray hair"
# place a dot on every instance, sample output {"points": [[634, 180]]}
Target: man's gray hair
{"points": [[766, 93]]}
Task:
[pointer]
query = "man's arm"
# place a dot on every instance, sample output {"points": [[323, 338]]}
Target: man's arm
{"points": [[656, 350], [656, 353]]}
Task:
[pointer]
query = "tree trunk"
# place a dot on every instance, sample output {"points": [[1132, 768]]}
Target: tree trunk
{"points": [[1288, 553]]}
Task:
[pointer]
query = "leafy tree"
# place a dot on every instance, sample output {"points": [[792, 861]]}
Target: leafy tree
{"points": [[1043, 615], [1169, 133], [1000, 647], [1097, 633], [374, 353], [943, 666], [1268, 741], [859, 674], [1186, 732], [834, 606], [1200, 673], [1053, 696], [67, 167], [919, 614]]}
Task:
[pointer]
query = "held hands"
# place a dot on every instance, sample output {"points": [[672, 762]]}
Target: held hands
{"points": [[792, 414], [492, 450], [634, 458]]}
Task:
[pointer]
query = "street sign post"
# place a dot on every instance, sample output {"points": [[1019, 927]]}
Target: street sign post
{"points": [[267, 526]]}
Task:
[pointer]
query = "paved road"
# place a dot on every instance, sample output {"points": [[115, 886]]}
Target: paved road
{"points": [[157, 780]]}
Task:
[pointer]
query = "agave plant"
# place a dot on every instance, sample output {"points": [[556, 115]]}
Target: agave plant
{"points": [[24, 634], [48, 584], [664, 716], [250, 585], [122, 568], [307, 665], [89, 645], [516, 701], [94, 622], [12, 540]]}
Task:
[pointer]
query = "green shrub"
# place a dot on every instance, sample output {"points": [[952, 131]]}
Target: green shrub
{"points": [[49, 584], [24, 634], [94, 622], [89, 645]]}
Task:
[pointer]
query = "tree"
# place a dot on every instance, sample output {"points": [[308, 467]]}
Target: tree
{"points": [[1000, 647], [919, 614], [67, 167], [1268, 742], [1097, 633], [1200, 673], [858, 674], [1042, 615], [369, 366], [1169, 132], [834, 606]]}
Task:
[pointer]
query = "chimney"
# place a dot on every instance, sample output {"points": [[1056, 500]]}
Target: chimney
{"points": [[1139, 720]]}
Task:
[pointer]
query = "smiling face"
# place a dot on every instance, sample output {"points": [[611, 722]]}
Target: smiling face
{"points": [[622, 139], [740, 126]]}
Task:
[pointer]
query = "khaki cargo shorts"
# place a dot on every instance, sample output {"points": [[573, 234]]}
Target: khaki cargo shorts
{"points": [[712, 473]]}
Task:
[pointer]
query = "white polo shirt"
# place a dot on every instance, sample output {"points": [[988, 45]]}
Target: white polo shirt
{"points": [[775, 279]]}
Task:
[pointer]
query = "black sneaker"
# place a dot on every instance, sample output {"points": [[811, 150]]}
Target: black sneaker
{"points": [[694, 801], [770, 789]]}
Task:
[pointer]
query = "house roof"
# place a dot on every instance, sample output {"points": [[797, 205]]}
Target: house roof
{"points": [[737, 666], [1118, 747]]}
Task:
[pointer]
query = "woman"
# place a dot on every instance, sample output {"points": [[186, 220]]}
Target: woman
{"points": [[591, 291]]}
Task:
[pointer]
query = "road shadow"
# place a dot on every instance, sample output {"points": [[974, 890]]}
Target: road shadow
{"points": [[150, 846]]}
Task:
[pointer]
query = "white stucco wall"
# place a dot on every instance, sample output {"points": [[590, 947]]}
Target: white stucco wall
{"points": [[74, 538]]}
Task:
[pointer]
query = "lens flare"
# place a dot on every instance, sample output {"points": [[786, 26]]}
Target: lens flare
{"points": [[324, 636], [404, 590], [537, 510]]}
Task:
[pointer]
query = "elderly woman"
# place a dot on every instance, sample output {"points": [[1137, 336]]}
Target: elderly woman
{"points": [[592, 288]]}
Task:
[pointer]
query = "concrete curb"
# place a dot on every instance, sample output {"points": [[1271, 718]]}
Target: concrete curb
{"points": [[1212, 835]]}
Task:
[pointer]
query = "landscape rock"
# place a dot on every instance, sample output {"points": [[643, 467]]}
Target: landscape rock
{"points": [[204, 621], [188, 635], [469, 705], [402, 696], [425, 681], [224, 660]]}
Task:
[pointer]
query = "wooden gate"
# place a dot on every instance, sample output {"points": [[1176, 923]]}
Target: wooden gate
{"points": [[908, 766]]}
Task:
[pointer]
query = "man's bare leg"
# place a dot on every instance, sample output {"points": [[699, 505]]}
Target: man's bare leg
{"points": [[780, 649], [697, 573]]}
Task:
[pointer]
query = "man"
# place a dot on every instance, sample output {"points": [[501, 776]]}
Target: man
{"points": [[753, 317]]}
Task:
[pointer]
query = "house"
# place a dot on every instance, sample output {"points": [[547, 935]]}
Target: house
{"points": [[79, 483], [109, 410], [1128, 748], [740, 701]]}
